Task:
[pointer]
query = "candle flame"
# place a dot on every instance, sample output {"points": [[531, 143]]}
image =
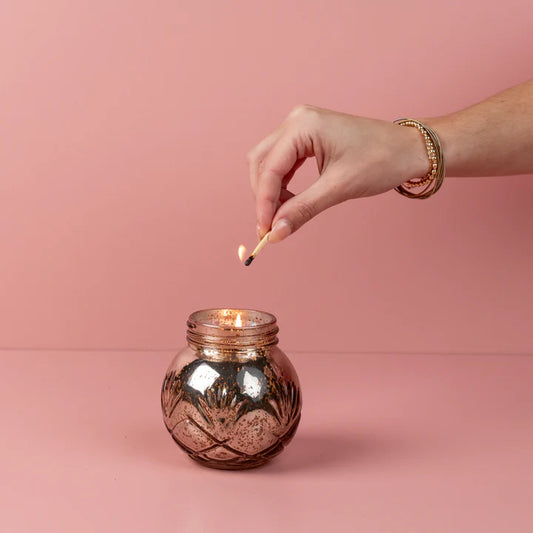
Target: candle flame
{"points": [[242, 252], [238, 321]]}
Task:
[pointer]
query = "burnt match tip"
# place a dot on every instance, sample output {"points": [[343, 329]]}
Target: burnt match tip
{"points": [[249, 260]]}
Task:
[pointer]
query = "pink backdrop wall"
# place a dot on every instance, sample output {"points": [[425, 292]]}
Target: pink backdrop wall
{"points": [[124, 191]]}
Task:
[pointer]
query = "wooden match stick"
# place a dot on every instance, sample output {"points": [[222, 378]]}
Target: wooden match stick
{"points": [[258, 248]]}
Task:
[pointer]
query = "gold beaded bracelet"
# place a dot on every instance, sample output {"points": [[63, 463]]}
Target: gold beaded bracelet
{"points": [[432, 181]]}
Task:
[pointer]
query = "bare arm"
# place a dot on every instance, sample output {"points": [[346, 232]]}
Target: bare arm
{"points": [[492, 138]]}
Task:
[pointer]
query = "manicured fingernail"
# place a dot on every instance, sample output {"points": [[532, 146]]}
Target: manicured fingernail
{"points": [[281, 230]]}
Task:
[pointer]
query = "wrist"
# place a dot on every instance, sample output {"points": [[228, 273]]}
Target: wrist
{"points": [[423, 186], [443, 127], [417, 163]]}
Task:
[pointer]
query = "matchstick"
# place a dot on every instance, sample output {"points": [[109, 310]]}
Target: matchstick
{"points": [[258, 248]]}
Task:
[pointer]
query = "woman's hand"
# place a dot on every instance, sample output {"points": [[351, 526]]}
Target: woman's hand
{"points": [[355, 156]]}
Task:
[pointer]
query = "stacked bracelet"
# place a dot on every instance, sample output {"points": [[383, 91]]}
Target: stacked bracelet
{"points": [[432, 181]]}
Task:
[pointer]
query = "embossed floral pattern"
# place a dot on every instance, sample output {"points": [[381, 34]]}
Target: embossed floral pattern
{"points": [[229, 414]]}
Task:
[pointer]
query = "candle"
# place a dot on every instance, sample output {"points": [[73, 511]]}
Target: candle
{"points": [[231, 398]]}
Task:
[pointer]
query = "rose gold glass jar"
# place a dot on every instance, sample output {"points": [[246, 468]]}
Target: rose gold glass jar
{"points": [[231, 398]]}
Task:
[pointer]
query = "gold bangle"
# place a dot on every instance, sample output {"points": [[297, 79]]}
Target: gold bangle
{"points": [[432, 181]]}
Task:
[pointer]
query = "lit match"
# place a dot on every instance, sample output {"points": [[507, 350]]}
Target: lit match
{"points": [[258, 248]]}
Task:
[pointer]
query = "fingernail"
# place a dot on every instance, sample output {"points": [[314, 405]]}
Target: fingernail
{"points": [[281, 230]]}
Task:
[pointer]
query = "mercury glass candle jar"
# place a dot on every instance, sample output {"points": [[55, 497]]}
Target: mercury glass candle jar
{"points": [[231, 398]]}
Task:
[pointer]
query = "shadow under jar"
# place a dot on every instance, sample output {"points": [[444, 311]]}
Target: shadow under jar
{"points": [[231, 398]]}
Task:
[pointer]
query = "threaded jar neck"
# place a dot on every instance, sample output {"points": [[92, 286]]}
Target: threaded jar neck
{"points": [[231, 330]]}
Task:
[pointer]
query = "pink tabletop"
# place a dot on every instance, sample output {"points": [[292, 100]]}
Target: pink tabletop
{"points": [[391, 443]]}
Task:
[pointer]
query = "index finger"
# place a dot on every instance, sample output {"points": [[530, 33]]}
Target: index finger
{"points": [[256, 155], [277, 164]]}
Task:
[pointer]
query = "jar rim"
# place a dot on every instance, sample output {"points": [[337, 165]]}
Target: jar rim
{"points": [[222, 321], [214, 318]]}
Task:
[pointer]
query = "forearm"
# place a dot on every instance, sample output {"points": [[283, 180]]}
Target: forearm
{"points": [[494, 137]]}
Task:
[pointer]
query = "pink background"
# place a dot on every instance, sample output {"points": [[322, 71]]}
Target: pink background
{"points": [[123, 197], [124, 190]]}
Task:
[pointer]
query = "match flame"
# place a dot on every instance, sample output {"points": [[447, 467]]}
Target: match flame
{"points": [[242, 252], [238, 321]]}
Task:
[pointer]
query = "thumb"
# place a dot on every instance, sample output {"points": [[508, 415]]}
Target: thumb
{"points": [[301, 208]]}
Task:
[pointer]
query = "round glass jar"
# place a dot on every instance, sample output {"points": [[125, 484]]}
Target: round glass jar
{"points": [[231, 398]]}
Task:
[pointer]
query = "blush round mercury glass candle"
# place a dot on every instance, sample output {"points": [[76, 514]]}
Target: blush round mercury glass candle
{"points": [[231, 398]]}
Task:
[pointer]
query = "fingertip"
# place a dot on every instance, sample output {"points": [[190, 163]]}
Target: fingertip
{"points": [[281, 230], [265, 213]]}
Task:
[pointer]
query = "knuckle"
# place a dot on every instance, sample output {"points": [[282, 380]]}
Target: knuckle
{"points": [[305, 211], [297, 110], [304, 114], [300, 110], [269, 198]]}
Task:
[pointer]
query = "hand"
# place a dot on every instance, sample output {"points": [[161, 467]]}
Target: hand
{"points": [[355, 156]]}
